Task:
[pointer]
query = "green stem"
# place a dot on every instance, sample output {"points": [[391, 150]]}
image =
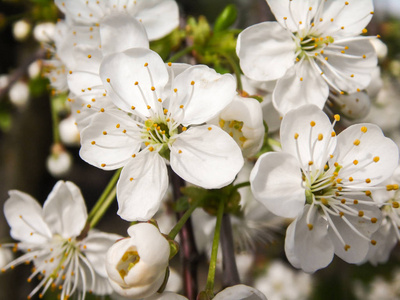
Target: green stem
{"points": [[236, 70], [240, 185], [104, 195], [274, 142], [174, 231], [181, 53], [214, 252], [56, 121], [103, 208]]}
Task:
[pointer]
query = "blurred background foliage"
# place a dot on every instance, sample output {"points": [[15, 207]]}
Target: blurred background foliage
{"points": [[26, 131]]}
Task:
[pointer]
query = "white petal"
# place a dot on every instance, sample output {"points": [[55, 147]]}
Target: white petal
{"points": [[203, 100], [119, 73], [206, 156], [277, 183], [352, 106], [266, 51], [372, 144], [313, 248], [295, 12], [64, 210], [120, 32], [23, 205], [96, 245], [349, 71], [166, 296], [240, 291], [104, 142], [301, 85], [386, 240], [159, 17], [140, 198], [353, 17], [307, 147], [85, 83], [82, 11]]}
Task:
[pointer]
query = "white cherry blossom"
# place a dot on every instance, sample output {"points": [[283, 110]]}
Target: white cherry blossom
{"points": [[313, 46], [156, 116], [325, 182], [51, 239]]}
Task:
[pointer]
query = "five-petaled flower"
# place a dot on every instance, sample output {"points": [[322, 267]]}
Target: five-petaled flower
{"points": [[314, 46], [51, 238], [325, 182], [160, 117]]}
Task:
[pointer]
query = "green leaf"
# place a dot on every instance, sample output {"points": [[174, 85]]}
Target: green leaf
{"points": [[226, 18]]}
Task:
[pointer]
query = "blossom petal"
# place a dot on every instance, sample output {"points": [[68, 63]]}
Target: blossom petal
{"points": [[348, 19], [159, 17], [276, 182], [134, 79], [240, 291], [110, 140], [386, 240], [120, 32], [306, 141], [301, 85], [203, 92], [24, 215], [365, 155], [141, 187], [312, 248], [266, 51], [64, 210], [349, 70], [292, 13], [166, 296], [206, 156], [96, 245]]}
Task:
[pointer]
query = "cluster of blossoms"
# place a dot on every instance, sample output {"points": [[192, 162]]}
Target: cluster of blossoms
{"points": [[145, 117]]}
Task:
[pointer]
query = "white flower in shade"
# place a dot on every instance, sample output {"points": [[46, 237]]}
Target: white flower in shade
{"points": [[379, 288], [152, 121], [314, 46], [44, 32], [69, 133], [351, 106], [240, 292], [137, 265], [159, 17], [51, 238], [21, 30], [59, 162], [243, 120], [388, 235], [19, 94], [325, 182], [275, 282]]}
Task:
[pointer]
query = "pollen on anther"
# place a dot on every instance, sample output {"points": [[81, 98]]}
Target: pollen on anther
{"points": [[346, 247], [376, 159], [169, 64], [192, 83], [136, 83], [184, 128], [153, 88], [151, 149], [159, 100], [356, 142], [105, 132], [88, 106], [343, 201], [148, 107], [310, 226], [108, 79], [131, 179], [89, 56], [312, 123], [364, 30], [374, 220], [373, 242], [346, 3], [360, 213], [296, 136], [368, 180], [395, 204], [355, 201], [181, 106], [355, 162], [93, 142], [180, 151], [133, 155], [146, 64], [364, 129], [103, 165], [320, 137], [301, 78], [368, 193], [333, 134], [209, 128]]}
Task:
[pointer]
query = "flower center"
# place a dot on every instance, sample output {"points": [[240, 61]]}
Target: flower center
{"points": [[127, 262], [234, 128], [310, 45]]}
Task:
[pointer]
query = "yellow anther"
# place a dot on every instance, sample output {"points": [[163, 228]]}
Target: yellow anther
{"points": [[355, 162], [184, 128], [341, 214], [103, 165], [131, 179], [151, 149], [346, 3], [346, 247], [209, 128], [159, 100], [312, 123], [132, 107], [136, 83], [297, 59], [310, 226], [376, 159], [374, 220], [93, 142], [78, 111], [360, 213], [105, 132], [133, 155], [395, 186], [364, 56], [373, 242], [301, 78], [395, 204], [368, 180], [371, 12], [356, 142], [148, 107], [88, 106], [337, 117], [165, 111], [339, 180], [181, 106], [169, 64], [324, 201], [89, 56], [296, 136], [343, 201], [180, 151], [368, 193], [108, 79], [192, 83], [351, 179], [175, 90], [320, 137], [355, 201], [285, 18], [146, 64], [326, 58], [342, 27], [310, 163], [333, 134], [310, 8], [364, 129], [364, 30], [118, 125], [352, 75]]}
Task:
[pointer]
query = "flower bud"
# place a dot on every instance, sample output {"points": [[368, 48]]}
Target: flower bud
{"points": [[136, 266], [19, 94], [44, 32], [21, 30]]}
